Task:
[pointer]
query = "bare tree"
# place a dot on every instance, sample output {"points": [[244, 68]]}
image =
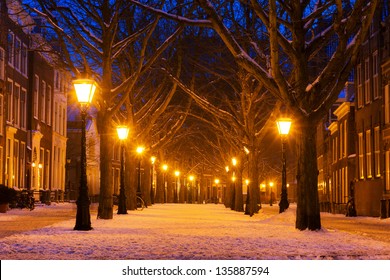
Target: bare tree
{"points": [[119, 45], [303, 53]]}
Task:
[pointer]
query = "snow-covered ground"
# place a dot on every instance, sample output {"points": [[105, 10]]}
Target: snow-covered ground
{"points": [[187, 232]]}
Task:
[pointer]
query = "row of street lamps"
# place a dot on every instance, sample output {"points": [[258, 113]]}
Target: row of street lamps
{"points": [[85, 90]]}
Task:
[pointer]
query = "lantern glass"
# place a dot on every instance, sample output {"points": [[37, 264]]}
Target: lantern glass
{"points": [[123, 132], [284, 125], [85, 89]]}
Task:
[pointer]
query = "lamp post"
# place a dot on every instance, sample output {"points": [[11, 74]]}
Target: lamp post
{"points": [[176, 192], [215, 193], [233, 192], [284, 125], [85, 89], [123, 132], [140, 150], [225, 189], [165, 169], [191, 178], [271, 184], [152, 160]]}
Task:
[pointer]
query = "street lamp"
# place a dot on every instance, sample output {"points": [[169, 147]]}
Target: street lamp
{"points": [[123, 132], [191, 178], [284, 125], [140, 150], [85, 89], [215, 193], [233, 192], [165, 169], [152, 160], [176, 194], [271, 184]]}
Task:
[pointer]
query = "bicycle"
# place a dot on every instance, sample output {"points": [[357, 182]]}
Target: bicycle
{"points": [[350, 210], [140, 203], [25, 199]]}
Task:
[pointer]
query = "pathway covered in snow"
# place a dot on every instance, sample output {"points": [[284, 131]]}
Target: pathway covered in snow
{"points": [[190, 231]]}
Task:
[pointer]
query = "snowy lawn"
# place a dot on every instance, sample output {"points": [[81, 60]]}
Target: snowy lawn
{"points": [[187, 231]]}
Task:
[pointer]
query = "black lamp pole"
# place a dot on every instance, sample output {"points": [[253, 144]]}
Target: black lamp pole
{"points": [[139, 178], [83, 216], [283, 204], [151, 184], [122, 196]]}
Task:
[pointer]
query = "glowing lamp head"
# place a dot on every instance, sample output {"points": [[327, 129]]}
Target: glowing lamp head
{"points": [[216, 181], [234, 161], [271, 184], [227, 168], [177, 173], [153, 159], [85, 89], [122, 131], [165, 167], [191, 178], [284, 125], [140, 150], [247, 182]]}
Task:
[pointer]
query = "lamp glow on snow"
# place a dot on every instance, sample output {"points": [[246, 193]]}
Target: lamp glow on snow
{"points": [[85, 90]]}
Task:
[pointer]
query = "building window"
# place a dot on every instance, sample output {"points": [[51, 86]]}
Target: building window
{"points": [[11, 47], [23, 62], [43, 102], [48, 108], [387, 156], [341, 140], [367, 81], [368, 154], [375, 79], [16, 104], [15, 173], [1, 165], [22, 161], [345, 138], [63, 122], [10, 91], [387, 104], [2, 64], [361, 155], [23, 108], [367, 93], [377, 159], [36, 96], [359, 85], [1, 117], [18, 53], [55, 121]]}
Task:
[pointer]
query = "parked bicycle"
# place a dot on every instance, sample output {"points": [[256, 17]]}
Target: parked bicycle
{"points": [[25, 199], [140, 203]]}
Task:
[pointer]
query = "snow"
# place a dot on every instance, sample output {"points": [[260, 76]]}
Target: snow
{"points": [[186, 232]]}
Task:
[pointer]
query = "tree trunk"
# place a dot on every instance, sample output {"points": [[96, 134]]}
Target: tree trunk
{"points": [[105, 210], [131, 180], [239, 199], [308, 210]]}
